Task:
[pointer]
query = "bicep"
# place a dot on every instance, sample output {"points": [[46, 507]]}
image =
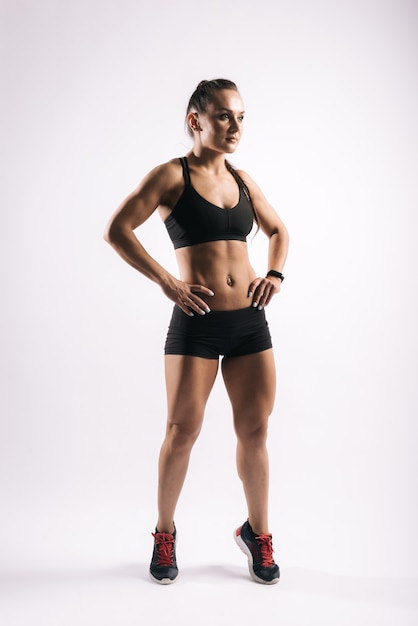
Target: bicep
{"points": [[139, 205], [269, 220]]}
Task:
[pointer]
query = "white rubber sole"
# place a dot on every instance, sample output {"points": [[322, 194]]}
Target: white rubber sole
{"points": [[164, 581], [245, 549]]}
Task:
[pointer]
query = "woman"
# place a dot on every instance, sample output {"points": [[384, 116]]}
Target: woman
{"points": [[208, 209]]}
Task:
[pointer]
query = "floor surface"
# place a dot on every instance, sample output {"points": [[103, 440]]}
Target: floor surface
{"points": [[119, 593]]}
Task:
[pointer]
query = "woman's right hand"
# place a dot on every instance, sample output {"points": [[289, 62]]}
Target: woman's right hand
{"points": [[185, 296]]}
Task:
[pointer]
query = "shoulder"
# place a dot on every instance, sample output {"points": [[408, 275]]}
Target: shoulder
{"points": [[260, 202], [166, 174], [164, 184], [250, 182]]}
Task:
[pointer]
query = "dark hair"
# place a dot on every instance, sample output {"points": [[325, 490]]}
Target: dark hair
{"points": [[204, 92], [198, 102]]}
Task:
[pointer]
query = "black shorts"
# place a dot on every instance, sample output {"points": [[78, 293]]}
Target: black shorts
{"points": [[228, 333]]}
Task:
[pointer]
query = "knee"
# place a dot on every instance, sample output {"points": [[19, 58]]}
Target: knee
{"points": [[181, 438], [254, 436]]}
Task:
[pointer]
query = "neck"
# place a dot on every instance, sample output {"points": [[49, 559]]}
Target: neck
{"points": [[207, 159]]}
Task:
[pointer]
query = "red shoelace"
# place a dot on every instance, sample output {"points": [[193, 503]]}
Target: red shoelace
{"points": [[165, 548], [266, 546]]}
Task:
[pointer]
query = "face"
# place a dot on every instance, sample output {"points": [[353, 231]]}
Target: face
{"points": [[221, 125]]}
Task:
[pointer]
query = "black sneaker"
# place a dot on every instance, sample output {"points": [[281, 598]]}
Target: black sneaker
{"points": [[259, 550], [163, 568]]}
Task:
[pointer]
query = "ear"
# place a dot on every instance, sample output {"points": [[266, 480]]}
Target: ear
{"points": [[193, 122]]}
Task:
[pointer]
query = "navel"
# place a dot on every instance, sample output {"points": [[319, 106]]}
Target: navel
{"points": [[229, 280]]}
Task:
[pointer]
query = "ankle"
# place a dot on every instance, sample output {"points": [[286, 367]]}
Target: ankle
{"points": [[258, 528], [169, 528]]}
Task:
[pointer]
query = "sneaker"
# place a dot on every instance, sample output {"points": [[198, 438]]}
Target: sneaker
{"points": [[163, 568], [259, 550]]}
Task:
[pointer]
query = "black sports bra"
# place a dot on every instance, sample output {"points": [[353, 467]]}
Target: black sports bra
{"points": [[194, 220]]}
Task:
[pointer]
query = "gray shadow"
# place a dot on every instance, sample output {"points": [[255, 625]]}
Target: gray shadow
{"points": [[390, 591]]}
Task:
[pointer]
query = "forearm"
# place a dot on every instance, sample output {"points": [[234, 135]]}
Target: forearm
{"points": [[278, 248], [126, 244]]}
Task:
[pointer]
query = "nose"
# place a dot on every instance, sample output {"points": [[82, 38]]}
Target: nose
{"points": [[234, 125]]}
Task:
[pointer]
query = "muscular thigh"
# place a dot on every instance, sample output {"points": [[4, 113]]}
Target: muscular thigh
{"points": [[189, 380], [250, 381]]}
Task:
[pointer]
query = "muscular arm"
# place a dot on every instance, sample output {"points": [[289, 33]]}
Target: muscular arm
{"points": [[154, 190], [133, 212], [273, 227]]}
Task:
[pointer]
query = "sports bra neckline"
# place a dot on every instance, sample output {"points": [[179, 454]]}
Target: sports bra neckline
{"points": [[188, 183], [194, 220]]}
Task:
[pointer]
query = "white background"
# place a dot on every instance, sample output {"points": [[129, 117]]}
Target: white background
{"points": [[93, 96]]}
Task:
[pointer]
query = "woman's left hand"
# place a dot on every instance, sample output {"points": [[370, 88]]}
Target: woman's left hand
{"points": [[263, 289]]}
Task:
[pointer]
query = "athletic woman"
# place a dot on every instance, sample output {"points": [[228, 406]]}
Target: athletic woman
{"points": [[209, 209]]}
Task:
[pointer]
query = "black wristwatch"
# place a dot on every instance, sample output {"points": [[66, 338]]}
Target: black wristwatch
{"points": [[275, 274]]}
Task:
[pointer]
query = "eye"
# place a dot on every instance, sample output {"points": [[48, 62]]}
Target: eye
{"points": [[241, 118], [224, 116]]}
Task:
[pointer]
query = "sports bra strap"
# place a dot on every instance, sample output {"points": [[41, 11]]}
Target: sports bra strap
{"points": [[186, 172]]}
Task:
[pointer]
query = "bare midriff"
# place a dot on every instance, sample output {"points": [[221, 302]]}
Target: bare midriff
{"points": [[223, 267]]}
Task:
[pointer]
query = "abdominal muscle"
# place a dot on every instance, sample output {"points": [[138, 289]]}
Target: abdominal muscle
{"points": [[223, 267]]}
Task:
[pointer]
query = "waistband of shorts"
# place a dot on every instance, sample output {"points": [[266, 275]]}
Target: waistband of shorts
{"points": [[231, 316]]}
